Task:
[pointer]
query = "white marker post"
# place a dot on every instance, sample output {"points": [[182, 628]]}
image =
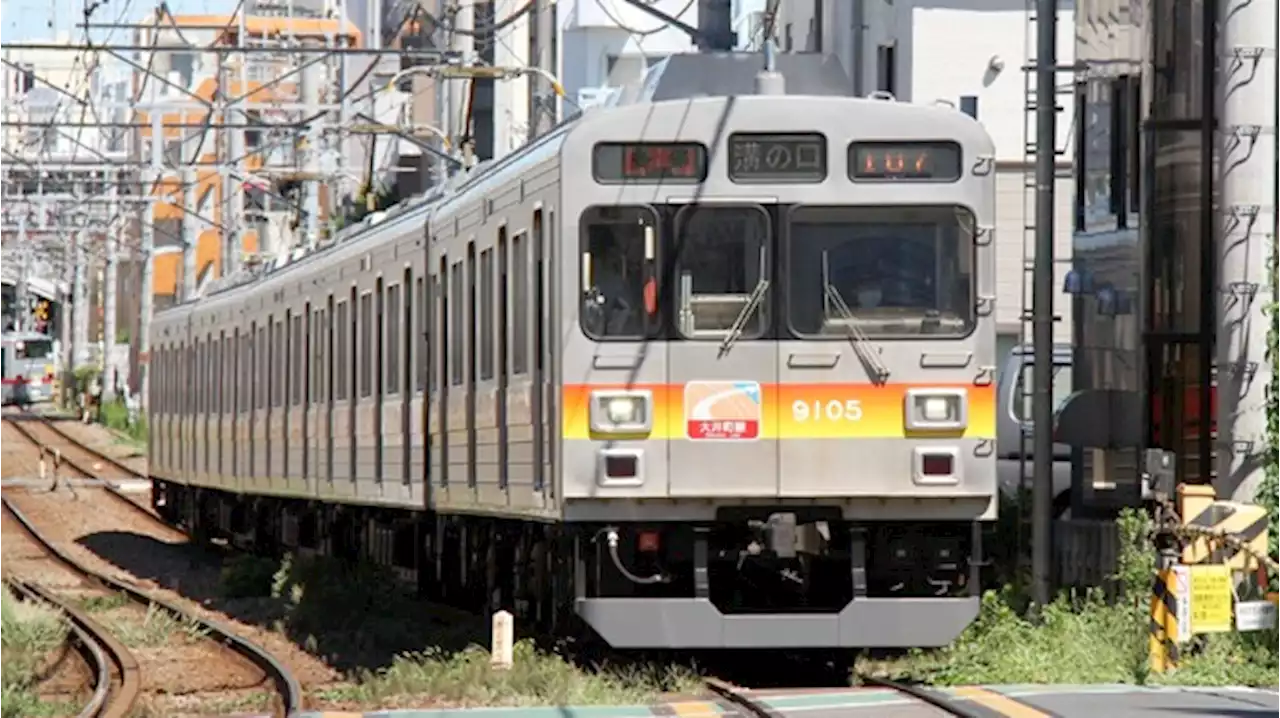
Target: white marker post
{"points": [[502, 650]]}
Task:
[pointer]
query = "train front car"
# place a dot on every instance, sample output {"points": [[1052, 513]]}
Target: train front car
{"points": [[778, 372]]}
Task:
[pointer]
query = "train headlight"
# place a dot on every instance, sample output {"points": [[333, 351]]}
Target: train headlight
{"points": [[621, 411], [936, 409]]}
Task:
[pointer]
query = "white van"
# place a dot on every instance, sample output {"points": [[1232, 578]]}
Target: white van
{"points": [[1014, 428]]}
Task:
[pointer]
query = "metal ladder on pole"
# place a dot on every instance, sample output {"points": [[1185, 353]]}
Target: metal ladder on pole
{"points": [[1026, 315]]}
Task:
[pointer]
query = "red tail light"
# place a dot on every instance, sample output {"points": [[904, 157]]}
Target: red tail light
{"points": [[48, 378]]}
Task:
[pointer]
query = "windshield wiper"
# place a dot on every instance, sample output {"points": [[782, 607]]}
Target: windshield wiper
{"points": [[867, 352], [748, 309]]}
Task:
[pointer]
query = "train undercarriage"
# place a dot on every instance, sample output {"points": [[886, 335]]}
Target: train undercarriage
{"points": [[756, 577]]}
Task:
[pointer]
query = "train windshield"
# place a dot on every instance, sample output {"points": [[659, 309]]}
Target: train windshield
{"points": [[33, 348], [619, 261], [886, 271], [721, 271]]}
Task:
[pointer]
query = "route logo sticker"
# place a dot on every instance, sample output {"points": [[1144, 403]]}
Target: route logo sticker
{"points": [[722, 410]]}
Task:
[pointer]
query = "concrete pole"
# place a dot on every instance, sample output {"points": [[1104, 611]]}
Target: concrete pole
{"points": [[79, 300], [110, 282], [460, 41], [190, 232], [1042, 301], [544, 99], [21, 314], [338, 182], [1247, 247], [147, 240], [311, 83]]}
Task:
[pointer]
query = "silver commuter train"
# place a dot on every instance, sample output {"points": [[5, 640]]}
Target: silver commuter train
{"points": [[702, 372]]}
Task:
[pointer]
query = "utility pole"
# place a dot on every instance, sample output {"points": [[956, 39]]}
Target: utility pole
{"points": [[190, 231], [147, 230], [310, 85], [1247, 242], [79, 299], [1042, 293], [462, 42], [544, 115], [22, 316], [110, 278]]}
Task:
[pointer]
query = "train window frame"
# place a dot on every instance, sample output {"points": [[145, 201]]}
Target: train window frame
{"points": [[457, 310], [342, 353], [520, 303], [367, 358], [653, 325], [297, 353], [763, 310], [486, 312], [960, 210], [394, 318]]}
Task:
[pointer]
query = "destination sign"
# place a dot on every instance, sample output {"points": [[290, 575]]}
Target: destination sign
{"points": [[777, 158], [649, 162], [904, 161]]}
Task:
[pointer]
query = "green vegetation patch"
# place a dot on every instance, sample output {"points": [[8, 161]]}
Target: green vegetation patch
{"points": [[29, 632], [1088, 638], [366, 622]]}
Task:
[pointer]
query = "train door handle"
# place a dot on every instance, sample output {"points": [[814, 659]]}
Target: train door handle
{"points": [[813, 361]]}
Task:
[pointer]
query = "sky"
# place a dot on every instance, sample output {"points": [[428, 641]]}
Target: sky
{"points": [[45, 20]]}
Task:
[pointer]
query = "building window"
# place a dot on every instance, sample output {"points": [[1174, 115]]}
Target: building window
{"points": [[886, 69]]}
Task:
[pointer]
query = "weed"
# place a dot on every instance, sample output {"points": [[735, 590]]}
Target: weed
{"points": [[156, 628], [98, 604], [247, 576], [115, 415], [28, 632], [535, 678]]}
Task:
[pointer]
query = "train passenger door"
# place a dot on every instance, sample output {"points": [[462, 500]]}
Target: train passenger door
{"points": [[721, 362]]}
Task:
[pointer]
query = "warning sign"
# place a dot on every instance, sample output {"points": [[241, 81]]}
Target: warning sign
{"points": [[1182, 597], [1211, 599]]}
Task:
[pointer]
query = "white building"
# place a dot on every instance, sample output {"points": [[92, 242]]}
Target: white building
{"points": [[970, 53]]}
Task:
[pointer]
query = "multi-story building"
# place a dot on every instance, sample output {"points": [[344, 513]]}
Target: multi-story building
{"points": [[969, 53]]}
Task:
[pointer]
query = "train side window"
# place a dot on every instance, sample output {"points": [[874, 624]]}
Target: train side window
{"points": [[471, 339], [404, 337], [619, 272], [504, 311], [379, 341], [520, 304], [486, 312], [420, 337], [1023, 403], [297, 356], [394, 325], [455, 331], [366, 347], [279, 361], [342, 351], [263, 366]]}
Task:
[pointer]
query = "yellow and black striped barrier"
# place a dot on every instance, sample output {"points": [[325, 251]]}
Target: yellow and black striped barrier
{"points": [[1245, 523], [1163, 627]]}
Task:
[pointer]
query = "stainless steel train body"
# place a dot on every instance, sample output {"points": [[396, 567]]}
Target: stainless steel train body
{"points": [[702, 373], [29, 367]]}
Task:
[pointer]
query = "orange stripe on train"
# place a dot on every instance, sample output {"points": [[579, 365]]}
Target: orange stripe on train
{"points": [[785, 411]]}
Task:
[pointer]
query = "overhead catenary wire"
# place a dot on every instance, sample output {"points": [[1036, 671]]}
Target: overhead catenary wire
{"points": [[605, 6]]}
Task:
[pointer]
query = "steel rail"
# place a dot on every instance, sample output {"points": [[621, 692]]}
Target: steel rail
{"points": [[99, 649], [288, 690], [933, 698]]}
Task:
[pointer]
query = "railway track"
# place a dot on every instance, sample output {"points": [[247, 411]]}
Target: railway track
{"points": [[116, 674], [751, 706], [288, 692]]}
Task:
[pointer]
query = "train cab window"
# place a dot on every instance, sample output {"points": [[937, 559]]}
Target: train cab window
{"points": [[33, 349], [366, 345], [394, 321], [619, 279], [1024, 401], [891, 272], [722, 271]]}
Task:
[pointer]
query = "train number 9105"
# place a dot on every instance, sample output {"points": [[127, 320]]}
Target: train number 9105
{"points": [[829, 410]]}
